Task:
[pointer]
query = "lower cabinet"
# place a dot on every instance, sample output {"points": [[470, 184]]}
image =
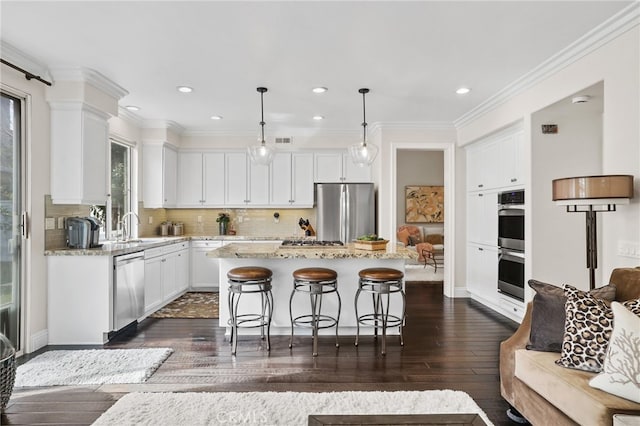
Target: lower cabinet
{"points": [[166, 275], [482, 273], [205, 270]]}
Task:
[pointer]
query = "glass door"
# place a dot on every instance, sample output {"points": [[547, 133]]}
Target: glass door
{"points": [[11, 218]]}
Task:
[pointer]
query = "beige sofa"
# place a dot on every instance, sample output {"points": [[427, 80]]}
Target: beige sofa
{"points": [[547, 394]]}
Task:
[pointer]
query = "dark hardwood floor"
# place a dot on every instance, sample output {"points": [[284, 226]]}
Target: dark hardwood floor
{"points": [[449, 344]]}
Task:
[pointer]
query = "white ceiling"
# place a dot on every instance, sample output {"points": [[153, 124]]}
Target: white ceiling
{"points": [[412, 55]]}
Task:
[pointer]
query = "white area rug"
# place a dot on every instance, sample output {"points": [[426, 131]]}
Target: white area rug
{"points": [[91, 367], [276, 408]]}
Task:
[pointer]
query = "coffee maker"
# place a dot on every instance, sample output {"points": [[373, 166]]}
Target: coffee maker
{"points": [[83, 232]]}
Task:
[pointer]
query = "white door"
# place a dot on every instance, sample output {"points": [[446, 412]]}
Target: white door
{"points": [[189, 179], [214, 178], [302, 179], [152, 284], [236, 179], [281, 179], [170, 177]]}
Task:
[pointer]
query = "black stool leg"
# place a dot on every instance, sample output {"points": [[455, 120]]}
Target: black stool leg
{"points": [[316, 303], [338, 317], [357, 316]]}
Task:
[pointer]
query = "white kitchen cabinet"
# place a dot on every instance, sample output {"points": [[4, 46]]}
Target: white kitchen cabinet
{"points": [[482, 273], [246, 184], [205, 270], [496, 162], [201, 178], [482, 217], [336, 166], [159, 175], [291, 180], [79, 147], [166, 274]]}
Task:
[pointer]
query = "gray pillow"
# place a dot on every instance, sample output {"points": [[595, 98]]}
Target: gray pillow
{"points": [[548, 314]]}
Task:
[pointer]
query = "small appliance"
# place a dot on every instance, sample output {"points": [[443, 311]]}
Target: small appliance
{"points": [[511, 260], [83, 232]]}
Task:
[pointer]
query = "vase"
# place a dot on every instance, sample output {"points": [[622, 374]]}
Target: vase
{"points": [[7, 371], [222, 228]]}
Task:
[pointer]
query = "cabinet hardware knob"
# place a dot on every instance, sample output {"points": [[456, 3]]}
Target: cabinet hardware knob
{"points": [[514, 179], [480, 195], [480, 186], [480, 249]]}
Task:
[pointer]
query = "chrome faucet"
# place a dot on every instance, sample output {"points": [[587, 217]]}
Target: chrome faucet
{"points": [[123, 222]]}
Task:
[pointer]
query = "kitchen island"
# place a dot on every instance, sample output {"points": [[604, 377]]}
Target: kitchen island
{"points": [[347, 261]]}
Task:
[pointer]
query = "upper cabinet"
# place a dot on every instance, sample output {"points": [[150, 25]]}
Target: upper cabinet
{"points": [[81, 102], [79, 146], [201, 179], [496, 162], [246, 184], [160, 173], [336, 166], [291, 180]]}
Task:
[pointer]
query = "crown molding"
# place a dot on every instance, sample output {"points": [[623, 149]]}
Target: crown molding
{"points": [[413, 125], [130, 117], [12, 54], [163, 124], [91, 77], [610, 29]]}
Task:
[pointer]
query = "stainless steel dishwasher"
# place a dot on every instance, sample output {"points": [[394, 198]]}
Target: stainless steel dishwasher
{"points": [[128, 289]]}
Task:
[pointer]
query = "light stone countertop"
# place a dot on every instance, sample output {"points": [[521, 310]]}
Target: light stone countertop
{"points": [[113, 248], [275, 251]]}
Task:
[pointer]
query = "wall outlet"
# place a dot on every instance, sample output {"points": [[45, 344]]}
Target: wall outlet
{"points": [[629, 249], [61, 223], [199, 219], [49, 223], [150, 220]]}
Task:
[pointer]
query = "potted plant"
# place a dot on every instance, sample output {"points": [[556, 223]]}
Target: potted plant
{"points": [[223, 222]]}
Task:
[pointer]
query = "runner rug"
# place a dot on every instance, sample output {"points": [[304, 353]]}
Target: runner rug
{"points": [[191, 305], [277, 408], [91, 367]]}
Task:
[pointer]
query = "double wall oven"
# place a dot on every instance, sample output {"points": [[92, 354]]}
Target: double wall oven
{"points": [[511, 244]]}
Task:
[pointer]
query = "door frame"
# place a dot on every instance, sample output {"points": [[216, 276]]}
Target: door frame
{"points": [[448, 149], [25, 201]]}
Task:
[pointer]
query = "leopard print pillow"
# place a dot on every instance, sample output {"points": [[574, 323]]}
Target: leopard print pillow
{"points": [[587, 330]]}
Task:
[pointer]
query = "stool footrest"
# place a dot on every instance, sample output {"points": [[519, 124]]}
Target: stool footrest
{"points": [[373, 321], [324, 321], [250, 321]]}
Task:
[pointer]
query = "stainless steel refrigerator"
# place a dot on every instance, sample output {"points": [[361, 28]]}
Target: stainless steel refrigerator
{"points": [[345, 211]]}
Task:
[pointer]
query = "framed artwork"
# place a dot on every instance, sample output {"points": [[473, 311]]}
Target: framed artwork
{"points": [[424, 204]]}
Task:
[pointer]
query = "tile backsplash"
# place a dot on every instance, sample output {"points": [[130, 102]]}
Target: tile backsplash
{"points": [[246, 222], [201, 222]]}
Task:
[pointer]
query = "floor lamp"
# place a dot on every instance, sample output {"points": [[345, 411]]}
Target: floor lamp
{"points": [[592, 194]]}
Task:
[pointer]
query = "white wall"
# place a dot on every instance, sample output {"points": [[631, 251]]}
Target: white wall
{"points": [[38, 153], [617, 64], [555, 230]]}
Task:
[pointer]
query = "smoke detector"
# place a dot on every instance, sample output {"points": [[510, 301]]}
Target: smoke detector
{"points": [[580, 99]]}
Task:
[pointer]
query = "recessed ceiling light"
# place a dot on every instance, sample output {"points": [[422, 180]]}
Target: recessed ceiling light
{"points": [[319, 89], [318, 117], [216, 117], [185, 89], [132, 108], [463, 91]]}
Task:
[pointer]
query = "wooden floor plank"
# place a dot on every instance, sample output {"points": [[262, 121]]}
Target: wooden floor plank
{"points": [[449, 344]]}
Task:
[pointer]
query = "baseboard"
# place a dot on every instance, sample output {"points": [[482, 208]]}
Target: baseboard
{"points": [[39, 340], [460, 292]]}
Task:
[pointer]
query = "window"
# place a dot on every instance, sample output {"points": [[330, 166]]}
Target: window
{"points": [[119, 202]]}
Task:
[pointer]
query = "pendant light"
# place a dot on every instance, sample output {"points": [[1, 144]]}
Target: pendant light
{"points": [[261, 154], [361, 153]]}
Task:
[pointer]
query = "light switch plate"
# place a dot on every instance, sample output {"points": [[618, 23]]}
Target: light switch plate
{"points": [[49, 223], [629, 249], [61, 223]]}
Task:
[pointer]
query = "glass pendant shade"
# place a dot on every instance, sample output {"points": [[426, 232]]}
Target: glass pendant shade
{"points": [[361, 153], [261, 154]]}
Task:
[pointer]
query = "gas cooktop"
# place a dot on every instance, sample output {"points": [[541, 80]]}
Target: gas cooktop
{"points": [[312, 243]]}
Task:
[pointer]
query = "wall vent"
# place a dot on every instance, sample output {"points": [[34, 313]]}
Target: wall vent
{"points": [[284, 140]]}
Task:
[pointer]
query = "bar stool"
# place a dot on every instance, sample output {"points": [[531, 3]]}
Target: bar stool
{"points": [[246, 280], [316, 282], [380, 282]]}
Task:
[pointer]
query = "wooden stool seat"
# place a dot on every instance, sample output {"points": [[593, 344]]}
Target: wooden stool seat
{"points": [[315, 274], [249, 273], [381, 274]]}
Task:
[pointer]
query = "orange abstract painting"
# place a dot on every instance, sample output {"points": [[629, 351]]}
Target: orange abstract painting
{"points": [[424, 204]]}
